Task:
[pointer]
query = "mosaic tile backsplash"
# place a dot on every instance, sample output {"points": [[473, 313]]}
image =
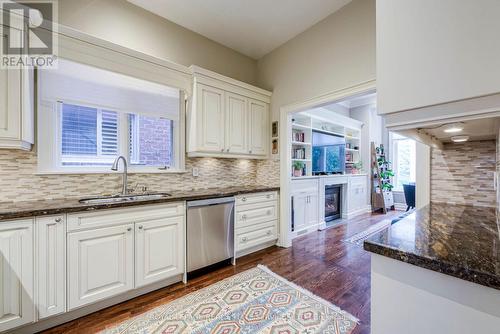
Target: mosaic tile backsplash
{"points": [[464, 173], [19, 182]]}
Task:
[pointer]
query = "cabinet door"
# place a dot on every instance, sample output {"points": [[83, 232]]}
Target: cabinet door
{"points": [[259, 127], [300, 202], [312, 215], [10, 104], [159, 249], [16, 274], [51, 265], [236, 123], [100, 264], [210, 113]]}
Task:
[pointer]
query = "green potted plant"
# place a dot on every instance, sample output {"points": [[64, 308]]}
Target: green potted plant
{"points": [[298, 167], [357, 167]]}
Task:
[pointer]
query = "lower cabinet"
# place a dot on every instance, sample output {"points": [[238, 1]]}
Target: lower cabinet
{"points": [[131, 248], [16, 274], [100, 264], [159, 250], [51, 265], [256, 221], [305, 201]]}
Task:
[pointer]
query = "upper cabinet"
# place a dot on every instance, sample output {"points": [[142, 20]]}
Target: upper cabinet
{"points": [[16, 108], [437, 59], [228, 118]]}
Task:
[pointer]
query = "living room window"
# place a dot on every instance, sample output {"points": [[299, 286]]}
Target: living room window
{"points": [[403, 160], [89, 116]]}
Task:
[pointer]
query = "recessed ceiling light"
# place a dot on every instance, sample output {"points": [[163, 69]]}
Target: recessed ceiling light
{"points": [[453, 127], [459, 139]]}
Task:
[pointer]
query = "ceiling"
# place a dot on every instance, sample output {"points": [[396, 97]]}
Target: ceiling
{"points": [[479, 129], [251, 27]]}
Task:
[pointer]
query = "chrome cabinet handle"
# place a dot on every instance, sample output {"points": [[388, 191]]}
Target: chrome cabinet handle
{"points": [[58, 220], [129, 229], [268, 196], [243, 199], [140, 227]]}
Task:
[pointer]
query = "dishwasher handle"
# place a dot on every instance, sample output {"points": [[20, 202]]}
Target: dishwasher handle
{"points": [[211, 201]]}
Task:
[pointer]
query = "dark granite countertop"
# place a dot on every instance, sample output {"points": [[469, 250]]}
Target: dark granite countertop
{"points": [[456, 240], [13, 210]]}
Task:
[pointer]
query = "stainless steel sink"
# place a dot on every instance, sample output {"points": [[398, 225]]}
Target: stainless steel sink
{"points": [[120, 198]]}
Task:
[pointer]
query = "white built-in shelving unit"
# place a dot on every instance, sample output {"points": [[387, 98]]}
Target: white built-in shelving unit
{"points": [[303, 125]]}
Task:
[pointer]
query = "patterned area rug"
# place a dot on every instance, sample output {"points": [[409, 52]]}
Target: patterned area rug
{"points": [[254, 301], [358, 238]]}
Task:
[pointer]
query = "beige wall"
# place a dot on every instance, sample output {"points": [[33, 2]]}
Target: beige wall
{"points": [[120, 22], [336, 53]]}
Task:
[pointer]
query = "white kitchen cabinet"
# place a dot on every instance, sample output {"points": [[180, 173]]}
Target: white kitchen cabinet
{"points": [[259, 127], [16, 109], [16, 274], [228, 118], [431, 62], [236, 124], [51, 265], [159, 249], [256, 221], [210, 123], [100, 264]]}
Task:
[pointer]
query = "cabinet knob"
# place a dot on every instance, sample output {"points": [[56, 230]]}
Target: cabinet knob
{"points": [[58, 220], [268, 196], [250, 151], [244, 239], [268, 232], [222, 150], [227, 150], [268, 212], [140, 227], [244, 217], [129, 229], [243, 199]]}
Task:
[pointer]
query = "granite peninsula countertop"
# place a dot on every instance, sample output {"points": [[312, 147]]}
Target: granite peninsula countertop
{"points": [[14, 210], [456, 240]]}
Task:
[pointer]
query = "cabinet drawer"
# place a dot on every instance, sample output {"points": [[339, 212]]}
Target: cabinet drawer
{"points": [[264, 233], [253, 214], [256, 198], [102, 218]]}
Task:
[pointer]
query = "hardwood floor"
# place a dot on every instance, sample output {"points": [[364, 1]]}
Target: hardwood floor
{"points": [[319, 262]]}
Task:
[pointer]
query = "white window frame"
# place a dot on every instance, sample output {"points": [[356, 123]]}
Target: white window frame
{"points": [[394, 160], [86, 49]]}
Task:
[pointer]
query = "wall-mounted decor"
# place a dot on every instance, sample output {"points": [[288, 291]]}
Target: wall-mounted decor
{"points": [[275, 130], [275, 146]]}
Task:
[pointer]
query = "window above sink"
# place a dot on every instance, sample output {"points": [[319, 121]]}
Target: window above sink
{"points": [[88, 116]]}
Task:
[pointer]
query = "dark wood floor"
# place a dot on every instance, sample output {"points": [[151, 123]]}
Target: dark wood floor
{"points": [[319, 262]]}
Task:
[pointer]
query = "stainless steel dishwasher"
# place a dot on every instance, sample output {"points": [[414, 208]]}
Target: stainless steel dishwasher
{"points": [[210, 232]]}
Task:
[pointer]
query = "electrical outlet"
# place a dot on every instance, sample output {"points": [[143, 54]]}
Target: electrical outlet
{"points": [[196, 172]]}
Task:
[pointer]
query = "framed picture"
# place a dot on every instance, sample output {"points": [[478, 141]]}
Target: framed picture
{"points": [[275, 129], [275, 146]]}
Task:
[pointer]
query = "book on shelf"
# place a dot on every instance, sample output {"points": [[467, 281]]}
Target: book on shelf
{"points": [[298, 136], [299, 153]]}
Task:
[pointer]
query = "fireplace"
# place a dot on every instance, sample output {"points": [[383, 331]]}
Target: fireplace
{"points": [[333, 202]]}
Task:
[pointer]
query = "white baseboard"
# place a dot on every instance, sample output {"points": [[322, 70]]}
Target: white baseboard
{"points": [[354, 213], [256, 248]]}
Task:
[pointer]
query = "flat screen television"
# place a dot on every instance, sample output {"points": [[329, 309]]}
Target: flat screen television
{"points": [[328, 153]]}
